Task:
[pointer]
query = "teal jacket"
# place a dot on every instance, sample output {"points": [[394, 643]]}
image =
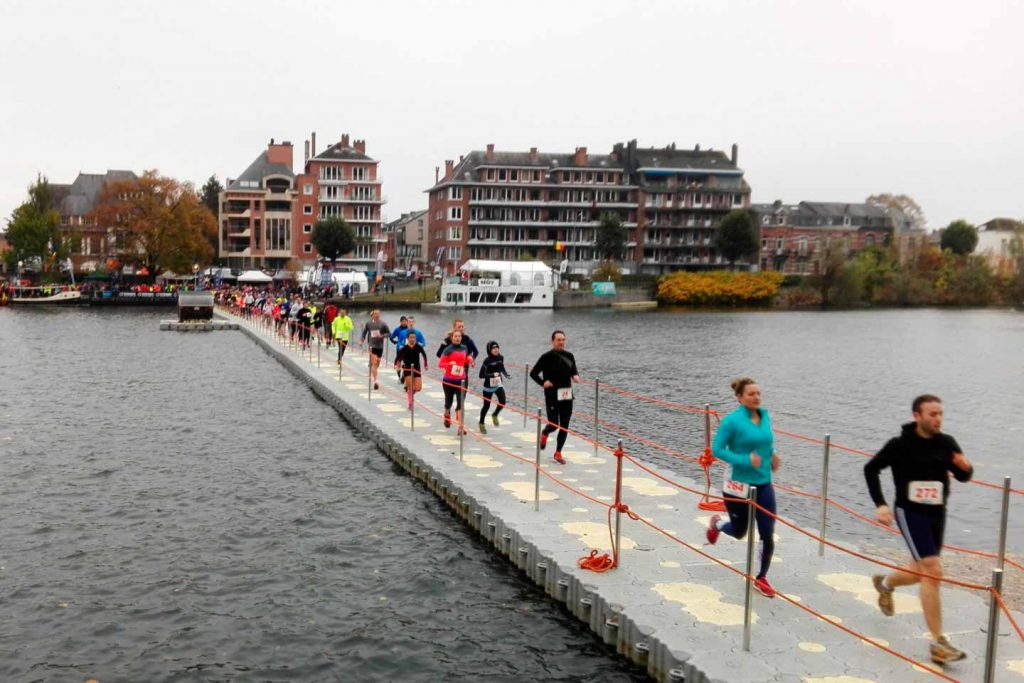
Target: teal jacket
{"points": [[737, 438]]}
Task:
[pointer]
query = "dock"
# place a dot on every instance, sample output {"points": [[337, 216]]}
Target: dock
{"points": [[198, 325], [673, 606]]}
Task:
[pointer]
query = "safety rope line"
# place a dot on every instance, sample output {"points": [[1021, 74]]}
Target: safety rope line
{"points": [[1009, 616], [636, 516]]}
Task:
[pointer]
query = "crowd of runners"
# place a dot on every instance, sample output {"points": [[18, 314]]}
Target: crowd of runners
{"points": [[923, 459]]}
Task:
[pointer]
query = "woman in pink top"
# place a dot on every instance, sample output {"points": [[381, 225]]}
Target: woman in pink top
{"points": [[455, 359]]}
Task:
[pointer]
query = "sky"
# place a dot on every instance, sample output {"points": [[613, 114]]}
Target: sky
{"points": [[828, 100]]}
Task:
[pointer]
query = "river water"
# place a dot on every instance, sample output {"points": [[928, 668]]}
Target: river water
{"points": [[179, 507]]}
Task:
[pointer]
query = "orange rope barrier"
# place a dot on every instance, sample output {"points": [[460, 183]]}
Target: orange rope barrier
{"points": [[1009, 616]]}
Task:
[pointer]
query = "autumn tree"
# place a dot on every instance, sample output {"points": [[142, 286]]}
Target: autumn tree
{"points": [[157, 222], [960, 237], [735, 236], [903, 203], [333, 237]]}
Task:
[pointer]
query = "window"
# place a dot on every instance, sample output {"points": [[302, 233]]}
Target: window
{"points": [[764, 220], [307, 228], [307, 188], [846, 220], [307, 210], [455, 192], [871, 240], [455, 213], [454, 233], [307, 248], [778, 243], [490, 174], [802, 246], [536, 176], [501, 174], [279, 234], [420, 238], [764, 244], [455, 253], [359, 173], [513, 175]]}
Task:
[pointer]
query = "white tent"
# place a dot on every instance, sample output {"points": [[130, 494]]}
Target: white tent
{"points": [[254, 277]]}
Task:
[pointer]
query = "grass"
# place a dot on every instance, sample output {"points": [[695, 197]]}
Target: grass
{"points": [[403, 296]]}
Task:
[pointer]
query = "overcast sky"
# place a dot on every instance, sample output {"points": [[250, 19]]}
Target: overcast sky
{"points": [[828, 100]]}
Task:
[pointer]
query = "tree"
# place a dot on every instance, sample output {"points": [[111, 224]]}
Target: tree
{"points": [[610, 238], [33, 230], [210, 194], [903, 203], [960, 237], [157, 222], [333, 237], [736, 236]]}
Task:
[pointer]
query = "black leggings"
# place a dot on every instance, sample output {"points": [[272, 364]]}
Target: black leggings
{"points": [[559, 414], [498, 396], [739, 510], [452, 393], [342, 345]]}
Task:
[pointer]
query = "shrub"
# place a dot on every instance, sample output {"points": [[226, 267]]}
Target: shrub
{"points": [[718, 288]]}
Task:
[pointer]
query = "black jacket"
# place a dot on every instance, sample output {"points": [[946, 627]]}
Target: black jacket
{"points": [[914, 458], [557, 367], [491, 366]]}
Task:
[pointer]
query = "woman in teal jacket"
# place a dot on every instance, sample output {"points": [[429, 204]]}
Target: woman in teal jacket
{"points": [[744, 441]]}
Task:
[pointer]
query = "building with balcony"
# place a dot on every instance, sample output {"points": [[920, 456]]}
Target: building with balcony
{"points": [[407, 241], [508, 206], [267, 214], [794, 236]]}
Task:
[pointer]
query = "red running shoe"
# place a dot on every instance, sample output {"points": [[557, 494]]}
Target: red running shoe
{"points": [[763, 587], [447, 420], [543, 440], [713, 530], [558, 458]]}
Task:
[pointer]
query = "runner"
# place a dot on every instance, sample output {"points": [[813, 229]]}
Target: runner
{"points": [[376, 332], [491, 371], [744, 440], [330, 313], [921, 458], [459, 325], [408, 359], [454, 360], [556, 371], [341, 328], [304, 322]]}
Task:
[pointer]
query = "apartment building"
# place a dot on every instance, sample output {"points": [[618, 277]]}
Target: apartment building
{"points": [[267, 214], [794, 236], [76, 202], [407, 241], [514, 205]]}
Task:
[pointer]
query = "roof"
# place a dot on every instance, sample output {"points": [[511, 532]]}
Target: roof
{"points": [[404, 219], [80, 197], [340, 152], [506, 266], [829, 214], [669, 157], [257, 171], [469, 167]]}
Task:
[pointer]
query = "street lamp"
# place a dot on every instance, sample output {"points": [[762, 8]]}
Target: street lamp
{"points": [[195, 273]]}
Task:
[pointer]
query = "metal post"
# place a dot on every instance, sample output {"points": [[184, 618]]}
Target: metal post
{"points": [[1003, 523], [824, 496], [749, 590], [536, 471], [369, 375], [526, 392], [318, 351], [412, 405], [707, 426], [618, 501], [993, 627], [597, 407], [462, 427]]}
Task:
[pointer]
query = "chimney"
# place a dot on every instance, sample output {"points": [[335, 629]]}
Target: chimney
{"points": [[360, 146], [490, 151], [735, 154], [696, 148], [437, 174], [581, 156], [449, 169], [280, 153], [344, 140], [461, 158], [672, 147], [312, 145], [271, 140], [533, 154], [306, 154]]}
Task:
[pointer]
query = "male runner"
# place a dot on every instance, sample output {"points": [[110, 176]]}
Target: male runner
{"points": [[556, 371], [921, 458], [341, 328], [377, 333]]}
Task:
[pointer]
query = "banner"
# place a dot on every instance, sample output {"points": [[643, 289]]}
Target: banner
{"points": [[604, 289]]}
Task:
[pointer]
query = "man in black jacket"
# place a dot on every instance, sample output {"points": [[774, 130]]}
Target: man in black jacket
{"points": [[556, 371], [922, 459]]}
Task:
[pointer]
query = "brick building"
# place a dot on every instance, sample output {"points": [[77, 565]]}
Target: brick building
{"points": [[794, 236], [267, 214], [513, 205], [76, 202], [407, 241]]}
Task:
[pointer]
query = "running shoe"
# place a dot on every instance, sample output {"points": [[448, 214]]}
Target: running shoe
{"points": [[713, 530], [447, 419], [543, 440], [376, 387], [483, 428], [494, 419], [763, 587], [884, 595], [558, 458], [944, 653]]}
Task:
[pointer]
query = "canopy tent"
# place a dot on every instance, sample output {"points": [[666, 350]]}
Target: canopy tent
{"points": [[170, 275], [254, 277], [224, 273], [284, 275]]}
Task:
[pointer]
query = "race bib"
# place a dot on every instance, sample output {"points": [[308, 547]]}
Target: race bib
{"points": [[735, 488], [374, 334], [496, 380], [565, 394], [458, 371], [925, 492]]}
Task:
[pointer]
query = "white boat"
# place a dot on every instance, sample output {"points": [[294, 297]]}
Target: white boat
{"points": [[51, 294], [501, 284]]}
